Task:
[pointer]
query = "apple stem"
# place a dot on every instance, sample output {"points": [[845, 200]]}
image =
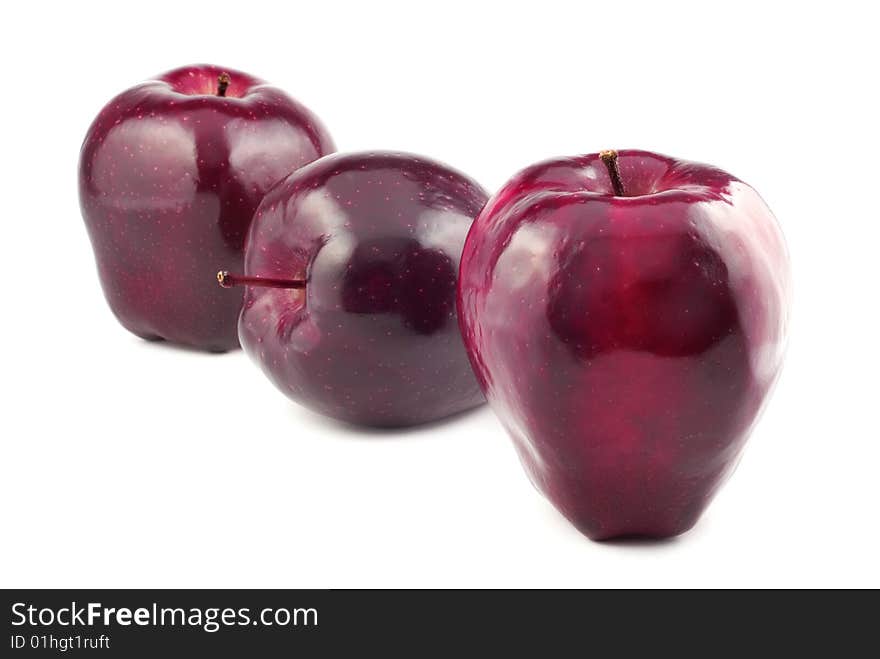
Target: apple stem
{"points": [[222, 83], [227, 280], [609, 157]]}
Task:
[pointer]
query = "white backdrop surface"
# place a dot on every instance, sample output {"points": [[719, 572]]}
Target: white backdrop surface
{"points": [[126, 464]]}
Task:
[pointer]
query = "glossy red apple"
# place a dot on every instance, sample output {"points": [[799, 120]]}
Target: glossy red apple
{"points": [[170, 174], [351, 267], [626, 317]]}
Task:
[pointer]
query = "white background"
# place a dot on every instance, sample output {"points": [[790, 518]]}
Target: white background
{"points": [[128, 464]]}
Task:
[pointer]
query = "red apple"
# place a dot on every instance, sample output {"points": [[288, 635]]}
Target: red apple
{"points": [[626, 318], [170, 174], [351, 271]]}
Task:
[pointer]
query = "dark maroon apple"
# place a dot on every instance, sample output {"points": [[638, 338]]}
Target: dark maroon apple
{"points": [[351, 267], [170, 174], [626, 318]]}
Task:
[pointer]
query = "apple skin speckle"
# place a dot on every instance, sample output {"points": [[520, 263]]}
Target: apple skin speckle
{"points": [[170, 174]]}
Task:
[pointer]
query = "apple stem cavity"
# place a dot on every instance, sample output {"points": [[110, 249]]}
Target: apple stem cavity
{"points": [[609, 157], [227, 280], [222, 84]]}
